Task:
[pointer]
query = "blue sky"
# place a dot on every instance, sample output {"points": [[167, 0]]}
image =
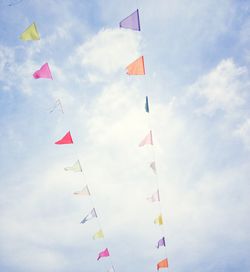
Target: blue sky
{"points": [[197, 78]]}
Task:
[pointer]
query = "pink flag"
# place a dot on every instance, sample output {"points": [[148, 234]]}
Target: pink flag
{"points": [[43, 72], [104, 253], [147, 140], [67, 139], [155, 197]]}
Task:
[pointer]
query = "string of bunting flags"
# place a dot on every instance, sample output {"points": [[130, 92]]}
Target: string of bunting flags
{"points": [[135, 68], [44, 72]]}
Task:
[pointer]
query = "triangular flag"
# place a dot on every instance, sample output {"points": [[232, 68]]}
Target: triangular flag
{"points": [[43, 72], [76, 167], [67, 139], [147, 140], [153, 166], [111, 269], [98, 234], [57, 103], [83, 192], [155, 197], [161, 242], [147, 105], [136, 67], [158, 220], [132, 21], [104, 253], [89, 216], [162, 264], [30, 33]]}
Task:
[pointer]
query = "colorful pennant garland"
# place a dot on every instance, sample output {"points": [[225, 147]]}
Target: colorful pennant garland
{"points": [[137, 67]]}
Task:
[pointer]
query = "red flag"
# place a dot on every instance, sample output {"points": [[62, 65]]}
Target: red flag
{"points": [[67, 139], [162, 264]]}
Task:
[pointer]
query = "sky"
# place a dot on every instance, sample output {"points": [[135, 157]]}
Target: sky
{"points": [[197, 62]]}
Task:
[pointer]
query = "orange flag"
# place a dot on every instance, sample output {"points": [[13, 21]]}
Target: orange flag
{"points": [[162, 264], [136, 67]]}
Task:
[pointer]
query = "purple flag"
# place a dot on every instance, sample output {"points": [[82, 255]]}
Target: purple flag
{"points": [[161, 242], [132, 21]]}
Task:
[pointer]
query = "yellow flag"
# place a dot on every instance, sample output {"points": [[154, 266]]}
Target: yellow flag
{"points": [[30, 33], [158, 220], [98, 234]]}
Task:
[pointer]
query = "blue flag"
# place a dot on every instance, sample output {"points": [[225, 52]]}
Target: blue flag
{"points": [[146, 105]]}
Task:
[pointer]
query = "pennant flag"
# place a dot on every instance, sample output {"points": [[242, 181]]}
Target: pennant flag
{"points": [[76, 167], [162, 264], [158, 220], [111, 269], [83, 192], [153, 166], [89, 216], [136, 67], [98, 234], [30, 33], [161, 242], [57, 104], [147, 140], [147, 105], [132, 21], [104, 253], [67, 139], [155, 197], [43, 72]]}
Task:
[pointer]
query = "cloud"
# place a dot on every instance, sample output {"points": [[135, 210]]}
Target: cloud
{"points": [[223, 88], [243, 132], [203, 175], [118, 48]]}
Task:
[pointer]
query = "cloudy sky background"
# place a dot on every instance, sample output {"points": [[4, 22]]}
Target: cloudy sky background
{"points": [[197, 60]]}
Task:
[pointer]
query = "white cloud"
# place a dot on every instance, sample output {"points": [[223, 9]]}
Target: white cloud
{"points": [[108, 51], [243, 132], [223, 88], [40, 214], [43, 216]]}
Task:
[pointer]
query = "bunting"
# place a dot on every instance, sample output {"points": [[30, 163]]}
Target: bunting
{"points": [[57, 104], [132, 21], [147, 140], [89, 216], [76, 167], [147, 105], [162, 264], [136, 67], [104, 253], [158, 220], [99, 234], [111, 269], [153, 167], [154, 197], [83, 192], [66, 139], [161, 242], [30, 33], [43, 72]]}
